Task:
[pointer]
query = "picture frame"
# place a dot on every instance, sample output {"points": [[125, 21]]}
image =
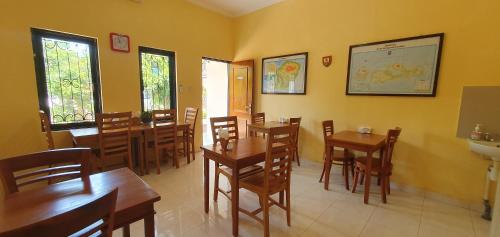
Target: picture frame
{"points": [[399, 67], [285, 74]]}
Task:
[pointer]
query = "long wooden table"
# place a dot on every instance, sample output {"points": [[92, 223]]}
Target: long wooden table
{"points": [[245, 152], [352, 140], [89, 137], [135, 201]]}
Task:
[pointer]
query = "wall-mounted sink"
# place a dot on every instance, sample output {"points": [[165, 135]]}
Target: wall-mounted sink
{"points": [[488, 149]]}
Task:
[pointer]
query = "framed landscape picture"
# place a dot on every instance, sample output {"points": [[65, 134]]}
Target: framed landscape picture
{"points": [[285, 74], [402, 67]]}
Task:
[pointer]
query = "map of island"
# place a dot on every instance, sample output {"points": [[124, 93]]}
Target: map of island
{"points": [[284, 75], [397, 68]]}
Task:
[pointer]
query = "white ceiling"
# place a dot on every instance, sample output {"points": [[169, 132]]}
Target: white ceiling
{"points": [[234, 8]]}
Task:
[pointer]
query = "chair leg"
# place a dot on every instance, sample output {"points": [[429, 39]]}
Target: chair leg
{"points": [[157, 157], [383, 188], [362, 178], [356, 177], [192, 147], [322, 172], [216, 184], [297, 155], [378, 180], [388, 184], [265, 214], [175, 157], [288, 204]]}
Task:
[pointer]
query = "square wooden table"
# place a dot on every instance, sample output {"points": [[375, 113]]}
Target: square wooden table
{"points": [[245, 152], [265, 127], [352, 140], [135, 201], [89, 137]]}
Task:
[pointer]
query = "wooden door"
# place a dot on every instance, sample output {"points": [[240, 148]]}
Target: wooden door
{"points": [[241, 93]]}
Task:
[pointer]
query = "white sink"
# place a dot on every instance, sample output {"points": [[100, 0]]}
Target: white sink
{"points": [[489, 149]]}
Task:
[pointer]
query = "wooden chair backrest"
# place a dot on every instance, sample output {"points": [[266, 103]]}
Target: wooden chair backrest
{"points": [[95, 218], [165, 126], [114, 134], [33, 168], [279, 151], [296, 121], [392, 138], [190, 116], [46, 128], [328, 129], [230, 123], [258, 118]]}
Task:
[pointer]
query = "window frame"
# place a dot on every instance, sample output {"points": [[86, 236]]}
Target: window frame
{"points": [[41, 80], [172, 73]]}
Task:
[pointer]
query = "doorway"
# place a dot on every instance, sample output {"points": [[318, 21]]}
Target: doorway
{"points": [[215, 84]]}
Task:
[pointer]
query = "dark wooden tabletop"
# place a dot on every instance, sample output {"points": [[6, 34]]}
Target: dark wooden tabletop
{"points": [[244, 149], [373, 140], [31, 206], [267, 125], [90, 132]]}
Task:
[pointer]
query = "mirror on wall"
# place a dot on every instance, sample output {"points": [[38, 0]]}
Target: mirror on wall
{"points": [[480, 105]]}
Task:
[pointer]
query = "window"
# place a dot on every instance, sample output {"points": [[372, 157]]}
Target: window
{"points": [[67, 76], [157, 79]]}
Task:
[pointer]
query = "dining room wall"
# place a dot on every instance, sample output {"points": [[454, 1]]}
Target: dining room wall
{"points": [[174, 25], [428, 156]]}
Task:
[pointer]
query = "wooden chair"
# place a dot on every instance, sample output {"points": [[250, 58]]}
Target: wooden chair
{"points": [[339, 157], [165, 136], [296, 121], [95, 218], [276, 175], [381, 167], [115, 138], [190, 116], [258, 118], [46, 128], [55, 165], [230, 123]]}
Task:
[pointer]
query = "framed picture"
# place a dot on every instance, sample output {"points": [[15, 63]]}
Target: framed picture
{"points": [[285, 74], [401, 67], [119, 42]]}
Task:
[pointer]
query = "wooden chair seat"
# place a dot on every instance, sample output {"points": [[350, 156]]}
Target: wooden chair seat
{"points": [[256, 183], [376, 165], [245, 172], [339, 156]]}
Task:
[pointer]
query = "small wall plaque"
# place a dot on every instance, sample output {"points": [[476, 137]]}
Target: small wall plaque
{"points": [[327, 61]]}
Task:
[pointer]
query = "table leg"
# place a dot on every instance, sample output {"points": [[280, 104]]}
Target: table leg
{"points": [[206, 171], [141, 155], [186, 144], [346, 169], [126, 231], [149, 226], [368, 175], [235, 183], [328, 165]]}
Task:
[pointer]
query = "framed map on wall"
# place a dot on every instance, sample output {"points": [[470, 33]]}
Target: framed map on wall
{"points": [[402, 67], [285, 74]]}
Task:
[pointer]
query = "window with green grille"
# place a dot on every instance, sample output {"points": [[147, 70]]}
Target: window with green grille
{"points": [[157, 79], [67, 78]]}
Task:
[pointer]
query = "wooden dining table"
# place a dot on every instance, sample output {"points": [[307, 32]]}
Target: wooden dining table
{"points": [[244, 152], [351, 140], [89, 137], [135, 201], [265, 127]]}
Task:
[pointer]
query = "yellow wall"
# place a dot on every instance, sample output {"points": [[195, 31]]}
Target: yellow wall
{"points": [[173, 25], [428, 156]]}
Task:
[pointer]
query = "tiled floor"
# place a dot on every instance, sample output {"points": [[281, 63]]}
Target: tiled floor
{"points": [[315, 212]]}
